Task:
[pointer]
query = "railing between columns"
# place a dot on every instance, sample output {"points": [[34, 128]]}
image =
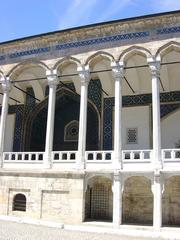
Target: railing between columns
{"points": [[99, 156], [128, 156], [170, 155], [64, 156], [23, 157], [135, 155]]}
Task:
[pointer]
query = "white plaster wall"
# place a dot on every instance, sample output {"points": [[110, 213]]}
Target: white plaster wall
{"points": [[9, 133], [136, 117], [170, 130]]}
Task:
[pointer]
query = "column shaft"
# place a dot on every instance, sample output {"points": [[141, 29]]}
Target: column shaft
{"points": [[117, 70], [155, 68], [157, 209], [52, 81], [117, 199], [84, 77]]}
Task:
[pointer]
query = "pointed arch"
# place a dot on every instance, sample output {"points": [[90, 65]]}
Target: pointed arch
{"points": [[166, 48], [27, 64], [65, 61], [68, 66], [127, 53], [99, 62], [62, 92], [98, 54]]}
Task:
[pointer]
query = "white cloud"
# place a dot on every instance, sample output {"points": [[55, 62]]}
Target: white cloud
{"points": [[115, 6], [76, 13], [80, 12]]}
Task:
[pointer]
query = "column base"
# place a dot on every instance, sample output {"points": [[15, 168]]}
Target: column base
{"points": [[80, 166], [117, 199], [157, 228], [80, 161], [117, 165], [47, 162]]}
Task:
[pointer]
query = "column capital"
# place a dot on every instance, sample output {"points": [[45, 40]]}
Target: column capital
{"points": [[52, 77], [154, 65], [6, 84], [117, 70], [84, 74]]}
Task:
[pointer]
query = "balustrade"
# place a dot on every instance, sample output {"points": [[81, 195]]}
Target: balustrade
{"points": [[64, 156], [94, 157], [24, 157]]}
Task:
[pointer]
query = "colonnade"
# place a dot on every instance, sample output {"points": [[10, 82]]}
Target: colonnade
{"points": [[84, 75]]}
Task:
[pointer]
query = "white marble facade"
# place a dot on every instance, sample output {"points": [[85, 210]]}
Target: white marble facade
{"points": [[136, 59]]}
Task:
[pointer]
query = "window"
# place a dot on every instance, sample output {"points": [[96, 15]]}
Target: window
{"points": [[131, 134], [19, 202], [71, 131]]}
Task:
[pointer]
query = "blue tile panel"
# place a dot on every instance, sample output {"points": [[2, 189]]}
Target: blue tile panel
{"points": [[95, 41], [69, 85], [18, 110], [2, 57], [168, 108], [107, 124], [168, 30], [30, 101], [95, 93], [30, 52]]}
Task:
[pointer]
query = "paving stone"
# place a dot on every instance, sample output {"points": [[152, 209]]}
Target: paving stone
{"points": [[21, 231]]}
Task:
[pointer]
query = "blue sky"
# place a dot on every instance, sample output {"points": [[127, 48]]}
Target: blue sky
{"points": [[20, 18]]}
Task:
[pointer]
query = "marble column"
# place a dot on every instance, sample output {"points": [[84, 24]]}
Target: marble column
{"points": [[157, 189], [117, 198], [84, 75], [118, 74], [155, 73], [6, 88], [52, 78]]}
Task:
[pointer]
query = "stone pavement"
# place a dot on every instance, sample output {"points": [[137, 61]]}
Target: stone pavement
{"points": [[21, 231]]}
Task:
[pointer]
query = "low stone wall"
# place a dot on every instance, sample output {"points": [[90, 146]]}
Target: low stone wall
{"points": [[51, 196]]}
